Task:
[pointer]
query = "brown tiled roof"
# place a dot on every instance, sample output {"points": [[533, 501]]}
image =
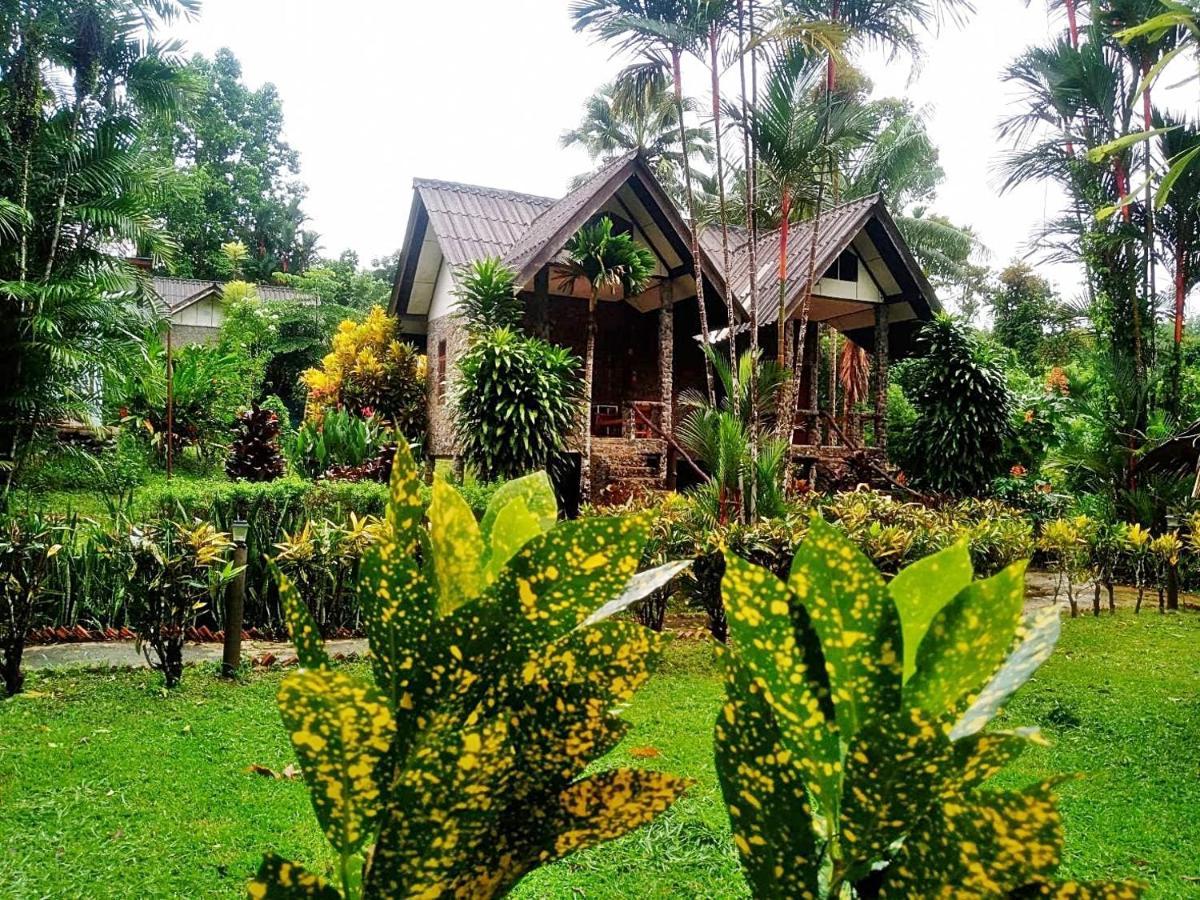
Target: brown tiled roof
{"points": [[839, 226], [473, 222], [556, 217], [180, 293]]}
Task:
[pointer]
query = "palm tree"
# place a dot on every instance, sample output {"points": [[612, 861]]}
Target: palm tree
{"points": [[718, 435], [610, 263], [1177, 223], [662, 31], [645, 119]]}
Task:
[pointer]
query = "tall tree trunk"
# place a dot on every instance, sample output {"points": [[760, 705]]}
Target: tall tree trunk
{"points": [[693, 224], [785, 211], [752, 241], [715, 71], [60, 204], [1181, 274], [1072, 23]]}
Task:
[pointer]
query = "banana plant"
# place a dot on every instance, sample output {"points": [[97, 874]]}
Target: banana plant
{"points": [[458, 767], [851, 749]]}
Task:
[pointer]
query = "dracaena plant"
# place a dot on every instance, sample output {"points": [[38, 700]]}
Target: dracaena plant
{"points": [[851, 750], [458, 767]]}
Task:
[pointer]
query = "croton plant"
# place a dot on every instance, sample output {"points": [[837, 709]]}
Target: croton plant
{"points": [[458, 767], [851, 749]]}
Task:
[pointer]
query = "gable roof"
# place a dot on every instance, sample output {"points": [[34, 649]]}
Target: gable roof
{"points": [[177, 294], [838, 229], [470, 222], [473, 222]]}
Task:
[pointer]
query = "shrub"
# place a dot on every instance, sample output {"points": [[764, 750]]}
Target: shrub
{"points": [[371, 372], [176, 570], [851, 750], [517, 400], [956, 442], [255, 454], [28, 543], [496, 670], [339, 438], [211, 386]]}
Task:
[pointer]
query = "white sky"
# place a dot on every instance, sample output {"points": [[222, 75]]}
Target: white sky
{"points": [[378, 92]]}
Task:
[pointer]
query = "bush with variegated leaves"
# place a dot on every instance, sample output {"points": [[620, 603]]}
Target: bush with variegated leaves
{"points": [[851, 749], [497, 665]]}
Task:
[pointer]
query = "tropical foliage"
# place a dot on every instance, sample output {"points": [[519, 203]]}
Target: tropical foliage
{"points": [[851, 748], [496, 668]]}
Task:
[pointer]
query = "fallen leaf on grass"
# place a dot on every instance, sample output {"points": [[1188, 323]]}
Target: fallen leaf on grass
{"points": [[290, 772], [645, 752]]}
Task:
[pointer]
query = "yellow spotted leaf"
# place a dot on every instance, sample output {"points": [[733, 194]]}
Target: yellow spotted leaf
{"points": [[774, 642], [611, 804], [405, 507], [967, 642], [341, 728], [857, 622], [306, 636], [1082, 890], [535, 491], [894, 769], [278, 879], [764, 791], [457, 547]]}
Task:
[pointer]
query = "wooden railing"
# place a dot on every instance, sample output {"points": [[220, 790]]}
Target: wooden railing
{"points": [[632, 419]]}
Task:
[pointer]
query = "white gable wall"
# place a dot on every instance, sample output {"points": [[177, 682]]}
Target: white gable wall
{"points": [[208, 313], [443, 302]]}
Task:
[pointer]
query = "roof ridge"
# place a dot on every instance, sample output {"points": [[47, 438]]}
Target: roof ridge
{"points": [[466, 187]]}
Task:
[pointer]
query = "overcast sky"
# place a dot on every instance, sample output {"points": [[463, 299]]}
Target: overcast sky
{"points": [[377, 92]]}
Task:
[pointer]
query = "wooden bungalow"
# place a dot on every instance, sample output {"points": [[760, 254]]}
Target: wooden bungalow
{"points": [[648, 348]]}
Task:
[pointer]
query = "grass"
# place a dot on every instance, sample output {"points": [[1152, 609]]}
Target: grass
{"points": [[111, 787]]}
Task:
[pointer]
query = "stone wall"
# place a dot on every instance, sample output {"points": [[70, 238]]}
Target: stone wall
{"points": [[183, 335], [441, 419]]}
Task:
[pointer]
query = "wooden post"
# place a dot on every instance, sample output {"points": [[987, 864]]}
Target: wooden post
{"points": [[833, 380], [170, 405], [882, 352], [235, 607], [666, 373]]}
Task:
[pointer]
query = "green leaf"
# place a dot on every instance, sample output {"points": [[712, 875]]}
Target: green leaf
{"points": [[774, 643], [1179, 165], [514, 527], [921, 591], [765, 794], [341, 728], [894, 768], [538, 494], [980, 756], [857, 622], [306, 636], [278, 879], [457, 547], [1099, 154], [1038, 637], [966, 642]]}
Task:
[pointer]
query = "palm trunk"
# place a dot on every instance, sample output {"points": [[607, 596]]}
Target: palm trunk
{"points": [[1072, 23], [1181, 248], [589, 367], [713, 46], [751, 250], [694, 226], [785, 210], [61, 203]]}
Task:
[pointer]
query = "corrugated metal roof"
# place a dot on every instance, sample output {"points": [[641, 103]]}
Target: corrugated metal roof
{"points": [[180, 293], [473, 222], [839, 226]]}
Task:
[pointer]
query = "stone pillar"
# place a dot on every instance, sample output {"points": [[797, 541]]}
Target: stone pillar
{"points": [[539, 313], [882, 353], [666, 371], [812, 362]]}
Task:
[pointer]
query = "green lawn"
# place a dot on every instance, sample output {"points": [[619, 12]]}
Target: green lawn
{"points": [[110, 787]]}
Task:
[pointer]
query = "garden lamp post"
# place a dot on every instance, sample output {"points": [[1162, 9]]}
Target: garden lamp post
{"points": [[235, 602]]}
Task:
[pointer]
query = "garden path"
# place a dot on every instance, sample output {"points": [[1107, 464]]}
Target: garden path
{"points": [[123, 655]]}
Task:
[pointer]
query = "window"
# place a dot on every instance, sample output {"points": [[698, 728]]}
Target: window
{"points": [[845, 268], [441, 372]]}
